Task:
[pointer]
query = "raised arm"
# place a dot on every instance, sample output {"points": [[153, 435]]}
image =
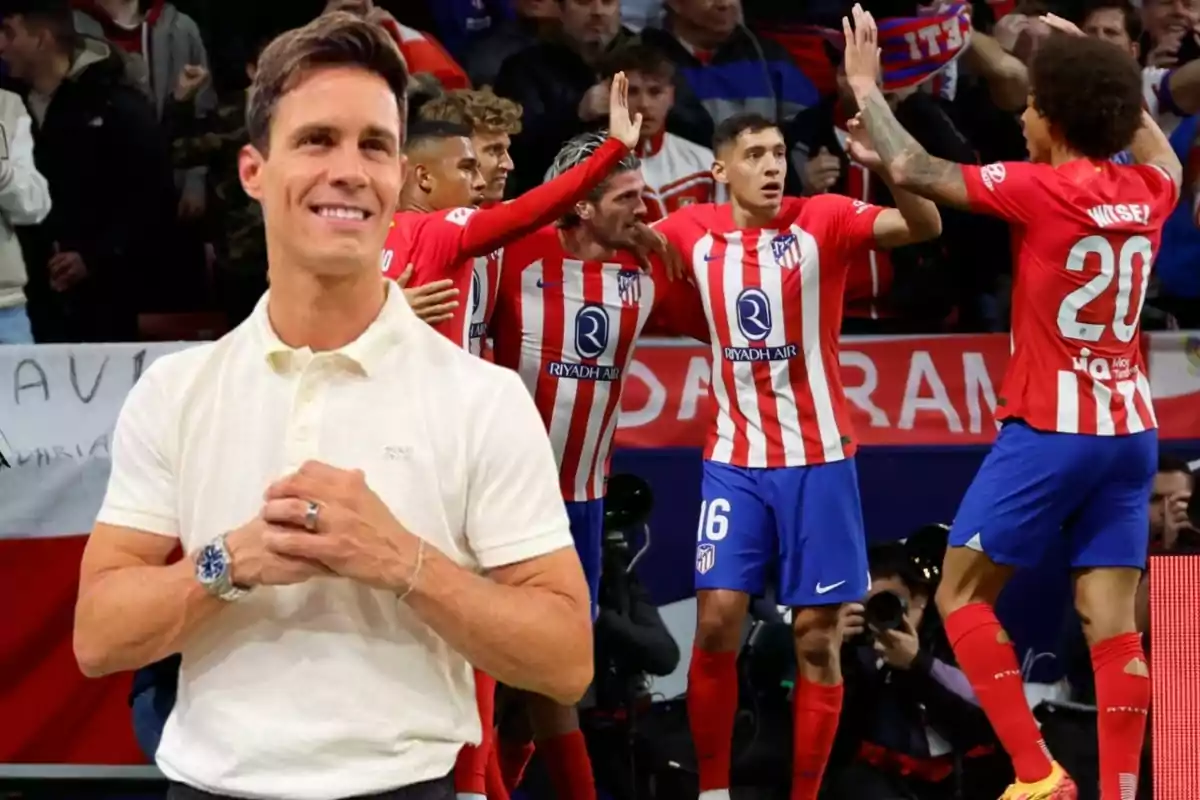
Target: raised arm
{"points": [[1151, 146], [905, 162], [24, 193], [487, 230]]}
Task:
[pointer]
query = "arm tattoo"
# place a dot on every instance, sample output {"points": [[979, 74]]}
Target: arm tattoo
{"points": [[908, 163]]}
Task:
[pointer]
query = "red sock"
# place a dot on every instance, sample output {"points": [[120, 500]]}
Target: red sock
{"points": [[569, 765], [1122, 703], [816, 709], [496, 790], [712, 697], [514, 758], [987, 658], [470, 770]]}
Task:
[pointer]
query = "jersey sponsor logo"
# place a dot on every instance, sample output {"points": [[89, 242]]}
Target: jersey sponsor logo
{"points": [[785, 352], [459, 216], [786, 249], [591, 331], [993, 175], [476, 292], [1103, 369], [583, 372], [629, 286], [859, 207], [477, 330], [754, 314]]}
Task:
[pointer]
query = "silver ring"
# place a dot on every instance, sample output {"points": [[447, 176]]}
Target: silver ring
{"points": [[310, 516]]}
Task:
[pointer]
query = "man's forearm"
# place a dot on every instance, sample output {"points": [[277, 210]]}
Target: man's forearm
{"points": [[1006, 76], [923, 218], [525, 636], [908, 164], [134, 616]]}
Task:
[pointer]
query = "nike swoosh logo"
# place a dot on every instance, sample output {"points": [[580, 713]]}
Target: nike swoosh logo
{"points": [[541, 284], [826, 589], [712, 258]]}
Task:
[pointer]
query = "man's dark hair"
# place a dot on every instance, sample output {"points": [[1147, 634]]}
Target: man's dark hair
{"points": [[579, 149], [331, 40], [1132, 19], [52, 16], [1090, 91], [641, 58], [1168, 463], [426, 131], [733, 127]]}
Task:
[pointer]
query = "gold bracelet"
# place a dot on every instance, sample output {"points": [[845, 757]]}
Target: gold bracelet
{"points": [[417, 569]]}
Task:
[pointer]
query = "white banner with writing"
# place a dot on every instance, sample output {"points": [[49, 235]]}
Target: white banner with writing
{"points": [[58, 406]]}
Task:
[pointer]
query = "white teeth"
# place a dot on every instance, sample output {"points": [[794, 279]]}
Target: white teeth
{"points": [[334, 212]]}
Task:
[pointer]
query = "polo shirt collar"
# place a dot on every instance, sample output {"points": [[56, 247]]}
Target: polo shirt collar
{"points": [[365, 355]]}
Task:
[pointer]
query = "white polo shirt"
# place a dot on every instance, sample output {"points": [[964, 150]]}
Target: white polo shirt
{"points": [[330, 688]]}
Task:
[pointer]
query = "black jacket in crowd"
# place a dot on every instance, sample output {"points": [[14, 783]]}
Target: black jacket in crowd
{"points": [[109, 171], [891, 708], [549, 80], [931, 279]]}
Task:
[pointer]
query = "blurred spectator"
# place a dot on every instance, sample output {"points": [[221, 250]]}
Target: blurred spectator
{"points": [[724, 69], [24, 200], [637, 15], [532, 20], [559, 85], [1166, 24], [421, 51], [461, 25], [1170, 93], [97, 141], [1169, 523], [920, 288], [677, 172], [234, 222], [160, 42], [909, 714], [493, 121]]}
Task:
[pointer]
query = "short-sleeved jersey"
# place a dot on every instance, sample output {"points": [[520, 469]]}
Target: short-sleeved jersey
{"points": [[432, 243], [569, 328], [773, 298], [1084, 237]]}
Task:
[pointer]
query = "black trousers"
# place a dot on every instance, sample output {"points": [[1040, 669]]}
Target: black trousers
{"points": [[436, 789]]}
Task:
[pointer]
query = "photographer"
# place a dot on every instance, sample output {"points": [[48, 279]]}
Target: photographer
{"points": [[910, 718]]}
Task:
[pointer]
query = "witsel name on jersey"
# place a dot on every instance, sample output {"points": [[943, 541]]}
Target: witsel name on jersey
{"points": [[1105, 215]]}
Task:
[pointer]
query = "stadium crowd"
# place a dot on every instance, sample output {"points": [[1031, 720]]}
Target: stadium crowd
{"points": [[175, 251], [125, 220]]}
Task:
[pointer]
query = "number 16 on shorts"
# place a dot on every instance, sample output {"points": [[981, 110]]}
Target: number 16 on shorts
{"points": [[712, 528]]}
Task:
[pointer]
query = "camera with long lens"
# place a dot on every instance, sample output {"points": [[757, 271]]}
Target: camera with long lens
{"points": [[885, 612]]}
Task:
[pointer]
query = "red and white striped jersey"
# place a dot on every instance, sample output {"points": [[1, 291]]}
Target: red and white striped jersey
{"points": [[569, 328], [773, 298], [1084, 238], [432, 243]]}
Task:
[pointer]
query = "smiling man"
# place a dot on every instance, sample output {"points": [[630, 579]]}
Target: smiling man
{"points": [[347, 560]]}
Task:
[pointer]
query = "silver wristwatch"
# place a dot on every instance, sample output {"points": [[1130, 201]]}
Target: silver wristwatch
{"points": [[214, 570]]}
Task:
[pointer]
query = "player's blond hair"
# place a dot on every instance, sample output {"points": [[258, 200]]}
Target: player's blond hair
{"points": [[481, 110]]}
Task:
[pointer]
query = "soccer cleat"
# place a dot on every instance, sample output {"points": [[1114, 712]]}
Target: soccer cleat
{"points": [[1057, 786]]}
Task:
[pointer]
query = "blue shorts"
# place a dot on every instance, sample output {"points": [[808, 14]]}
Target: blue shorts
{"points": [[587, 529], [806, 520], [1038, 487]]}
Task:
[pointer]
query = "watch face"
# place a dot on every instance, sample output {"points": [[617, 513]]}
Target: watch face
{"points": [[211, 564]]}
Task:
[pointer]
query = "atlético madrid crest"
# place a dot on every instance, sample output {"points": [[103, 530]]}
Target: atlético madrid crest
{"points": [[786, 249], [629, 287], [706, 557]]}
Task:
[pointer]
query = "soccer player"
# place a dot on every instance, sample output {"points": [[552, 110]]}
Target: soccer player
{"points": [[572, 302], [1075, 457], [779, 477], [492, 121], [441, 241]]}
